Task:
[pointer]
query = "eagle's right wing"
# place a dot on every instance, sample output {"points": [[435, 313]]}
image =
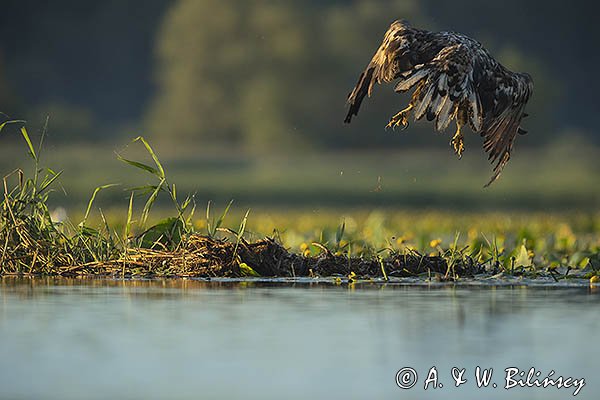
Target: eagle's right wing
{"points": [[403, 48], [503, 95]]}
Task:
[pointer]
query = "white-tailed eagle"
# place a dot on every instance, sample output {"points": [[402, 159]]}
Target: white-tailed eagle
{"points": [[455, 78]]}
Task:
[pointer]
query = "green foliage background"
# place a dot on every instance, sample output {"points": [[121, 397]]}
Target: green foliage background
{"points": [[267, 75], [263, 75], [245, 99]]}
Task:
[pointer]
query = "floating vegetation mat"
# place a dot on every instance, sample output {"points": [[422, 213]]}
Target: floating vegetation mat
{"points": [[33, 242], [202, 256]]}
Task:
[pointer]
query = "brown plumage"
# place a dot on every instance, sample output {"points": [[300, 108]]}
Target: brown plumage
{"points": [[454, 78]]}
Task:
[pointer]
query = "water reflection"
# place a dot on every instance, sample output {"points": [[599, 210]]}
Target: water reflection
{"points": [[74, 338]]}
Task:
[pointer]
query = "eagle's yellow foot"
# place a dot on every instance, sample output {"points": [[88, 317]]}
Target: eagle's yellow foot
{"points": [[400, 119], [457, 143]]}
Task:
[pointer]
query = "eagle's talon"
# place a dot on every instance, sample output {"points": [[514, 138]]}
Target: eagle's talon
{"points": [[404, 123], [394, 122], [458, 145], [400, 119]]}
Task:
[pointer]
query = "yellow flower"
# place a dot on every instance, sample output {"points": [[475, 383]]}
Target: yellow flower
{"points": [[595, 279], [472, 234], [435, 243]]}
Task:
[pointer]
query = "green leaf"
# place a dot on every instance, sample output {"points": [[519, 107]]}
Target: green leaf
{"points": [[150, 202], [89, 206], [579, 259], [167, 232], [211, 226], [584, 262], [48, 182], [142, 190], [247, 270], [89, 232], [522, 259], [29, 144], [186, 203], [129, 216], [223, 215], [188, 220], [153, 155], [18, 121], [240, 233], [140, 165]]}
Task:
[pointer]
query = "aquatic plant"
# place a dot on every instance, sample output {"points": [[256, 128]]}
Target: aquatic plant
{"points": [[382, 245]]}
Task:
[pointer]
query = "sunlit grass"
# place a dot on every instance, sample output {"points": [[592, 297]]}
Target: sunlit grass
{"points": [[125, 237]]}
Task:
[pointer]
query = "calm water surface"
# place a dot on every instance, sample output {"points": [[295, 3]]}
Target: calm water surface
{"points": [[175, 339]]}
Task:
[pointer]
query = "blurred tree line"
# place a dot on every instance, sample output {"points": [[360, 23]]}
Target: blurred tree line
{"points": [[267, 74], [88, 65]]}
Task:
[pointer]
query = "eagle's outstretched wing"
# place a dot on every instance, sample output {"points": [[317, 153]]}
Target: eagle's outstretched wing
{"points": [[454, 78], [503, 96], [403, 48]]}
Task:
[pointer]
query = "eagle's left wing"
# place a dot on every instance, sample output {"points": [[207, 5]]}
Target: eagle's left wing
{"points": [[403, 48]]}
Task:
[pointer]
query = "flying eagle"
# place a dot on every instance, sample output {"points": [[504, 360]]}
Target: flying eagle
{"points": [[455, 79]]}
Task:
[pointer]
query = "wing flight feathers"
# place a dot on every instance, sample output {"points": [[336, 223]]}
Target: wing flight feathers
{"points": [[454, 77]]}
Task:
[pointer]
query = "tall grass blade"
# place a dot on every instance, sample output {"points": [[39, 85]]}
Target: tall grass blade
{"points": [[43, 135], [208, 221], [128, 222], [89, 206], [241, 231], [29, 144], [213, 226], [150, 202], [223, 215], [16, 121], [47, 182], [153, 155], [140, 165]]}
